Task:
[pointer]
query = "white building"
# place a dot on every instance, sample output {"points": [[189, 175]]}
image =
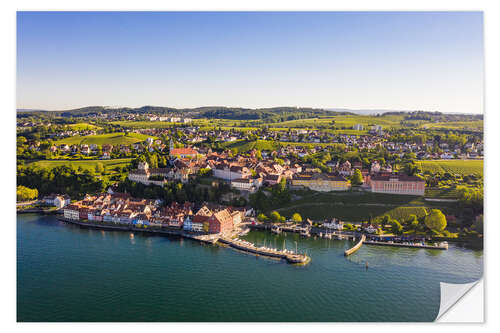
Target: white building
{"points": [[71, 212]]}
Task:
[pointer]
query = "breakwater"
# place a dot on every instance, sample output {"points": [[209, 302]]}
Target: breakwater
{"points": [[355, 247], [290, 257], [441, 246]]}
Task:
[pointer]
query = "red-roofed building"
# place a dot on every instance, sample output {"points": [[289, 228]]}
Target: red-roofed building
{"points": [[398, 184], [183, 152], [220, 222]]}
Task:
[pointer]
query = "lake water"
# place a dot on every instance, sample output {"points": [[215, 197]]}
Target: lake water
{"points": [[68, 273]]}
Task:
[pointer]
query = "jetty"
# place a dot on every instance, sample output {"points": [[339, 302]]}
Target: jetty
{"points": [[242, 245], [440, 246], [355, 247]]}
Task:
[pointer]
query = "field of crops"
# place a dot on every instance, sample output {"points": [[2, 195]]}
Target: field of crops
{"points": [[462, 167], [85, 164], [352, 213], [244, 146], [347, 121], [360, 206], [83, 126], [143, 124], [111, 138], [476, 125]]}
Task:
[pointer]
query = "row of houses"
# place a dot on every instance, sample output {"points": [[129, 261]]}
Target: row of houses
{"points": [[121, 208]]}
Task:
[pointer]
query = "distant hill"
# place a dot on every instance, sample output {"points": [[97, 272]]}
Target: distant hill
{"points": [[274, 114], [369, 112]]}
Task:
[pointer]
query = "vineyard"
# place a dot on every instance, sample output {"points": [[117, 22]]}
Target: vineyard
{"points": [[462, 167]]}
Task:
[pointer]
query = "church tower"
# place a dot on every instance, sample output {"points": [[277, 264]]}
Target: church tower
{"points": [[171, 145]]}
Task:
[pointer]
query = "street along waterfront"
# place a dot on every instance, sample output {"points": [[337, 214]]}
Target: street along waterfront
{"points": [[68, 273]]}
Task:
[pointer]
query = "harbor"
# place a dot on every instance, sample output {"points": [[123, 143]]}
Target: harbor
{"points": [[217, 273]]}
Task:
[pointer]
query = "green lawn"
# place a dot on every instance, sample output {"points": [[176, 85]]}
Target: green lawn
{"points": [[462, 167], [85, 164], [111, 138], [83, 126]]}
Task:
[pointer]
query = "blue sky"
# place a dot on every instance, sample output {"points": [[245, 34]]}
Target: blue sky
{"points": [[377, 60]]}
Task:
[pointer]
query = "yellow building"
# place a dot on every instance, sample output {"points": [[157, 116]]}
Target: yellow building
{"points": [[320, 182]]}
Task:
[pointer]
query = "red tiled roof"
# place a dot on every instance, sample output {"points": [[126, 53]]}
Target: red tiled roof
{"points": [[183, 151]]}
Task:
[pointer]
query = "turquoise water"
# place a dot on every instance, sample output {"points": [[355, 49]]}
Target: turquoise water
{"points": [[67, 273]]}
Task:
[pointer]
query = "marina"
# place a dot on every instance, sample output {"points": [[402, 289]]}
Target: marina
{"points": [[216, 273]]}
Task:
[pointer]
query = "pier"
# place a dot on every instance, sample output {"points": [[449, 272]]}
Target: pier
{"points": [[440, 246], [291, 257], [355, 247]]}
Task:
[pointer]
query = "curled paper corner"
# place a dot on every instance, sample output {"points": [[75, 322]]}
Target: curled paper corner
{"points": [[451, 295]]}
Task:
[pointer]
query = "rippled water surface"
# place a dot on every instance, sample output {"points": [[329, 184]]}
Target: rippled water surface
{"points": [[67, 273]]}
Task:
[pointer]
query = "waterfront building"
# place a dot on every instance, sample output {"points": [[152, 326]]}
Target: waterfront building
{"points": [[72, 212], [220, 222], [398, 184], [188, 224]]}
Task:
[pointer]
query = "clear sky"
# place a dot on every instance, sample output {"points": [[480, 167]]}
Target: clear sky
{"points": [[377, 60]]}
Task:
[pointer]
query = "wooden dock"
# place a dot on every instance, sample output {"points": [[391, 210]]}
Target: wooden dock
{"points": [[355, 247]]}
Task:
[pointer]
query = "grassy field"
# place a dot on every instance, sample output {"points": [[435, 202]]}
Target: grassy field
{"points": [[85, 164], [111, 138], [83, 126], [476, 125], [360, 206], [244, 146], [347, 121], [463, 167], [143, 124]]}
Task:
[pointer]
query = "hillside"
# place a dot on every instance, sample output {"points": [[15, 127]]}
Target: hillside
{"points": [[111, 138]]}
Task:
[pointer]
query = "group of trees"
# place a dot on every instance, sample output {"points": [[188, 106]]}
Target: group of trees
{"points": [[471, 197], [24, 193], [275, 217], [435, 221], [264, 199], [61, 179]]}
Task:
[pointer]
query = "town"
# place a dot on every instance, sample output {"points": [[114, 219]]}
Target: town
{"points": [[414, 164]]}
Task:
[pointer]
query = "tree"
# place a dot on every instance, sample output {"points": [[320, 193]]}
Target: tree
{"points": [[261, 217], [296, 218], [24, 193], [413, 221], [435, 220], [275, 216], [396, 227], [357, 178], [99, 167]]}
